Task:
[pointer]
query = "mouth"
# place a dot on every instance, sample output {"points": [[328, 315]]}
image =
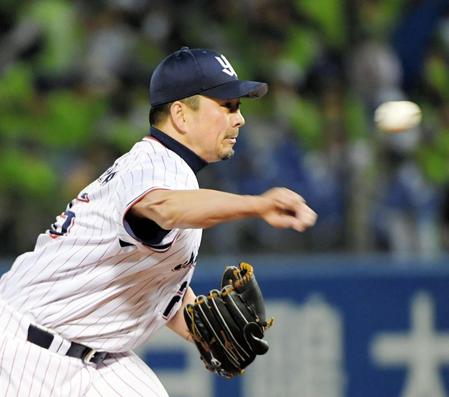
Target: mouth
{"points": [[231, 139]]}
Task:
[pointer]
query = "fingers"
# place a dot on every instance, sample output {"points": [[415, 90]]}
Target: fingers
{"points": [[292, 210], [304, 218]]}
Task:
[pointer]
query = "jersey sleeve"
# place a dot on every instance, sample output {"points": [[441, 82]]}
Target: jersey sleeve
{"points": [[151, 172]]}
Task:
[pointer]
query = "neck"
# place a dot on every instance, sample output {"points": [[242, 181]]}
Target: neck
{"points": [[182, 136], [173, 132], [193, 160]]}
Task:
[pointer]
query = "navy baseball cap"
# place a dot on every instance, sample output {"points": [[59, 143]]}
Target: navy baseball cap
{"points": [[189, 72]]}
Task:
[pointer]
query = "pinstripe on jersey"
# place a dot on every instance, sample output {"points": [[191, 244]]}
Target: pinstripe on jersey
{"points": [[84, 283]]}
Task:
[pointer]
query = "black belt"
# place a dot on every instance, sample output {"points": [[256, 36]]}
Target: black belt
{"points": [[44, 339]]}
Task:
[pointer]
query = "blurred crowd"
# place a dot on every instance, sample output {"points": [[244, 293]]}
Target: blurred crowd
{"points": [[74, 96]]}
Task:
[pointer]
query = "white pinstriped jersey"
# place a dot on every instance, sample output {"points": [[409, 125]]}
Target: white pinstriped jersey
{"points": [[89, 278]]}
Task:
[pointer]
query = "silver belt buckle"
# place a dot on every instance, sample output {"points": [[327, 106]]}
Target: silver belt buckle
{"points": [[89, 356]]}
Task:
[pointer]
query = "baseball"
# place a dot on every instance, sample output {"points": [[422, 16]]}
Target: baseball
{"points": [[397, 116]]}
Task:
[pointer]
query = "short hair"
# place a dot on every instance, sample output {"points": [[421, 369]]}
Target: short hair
{"points": [[160, 112]]}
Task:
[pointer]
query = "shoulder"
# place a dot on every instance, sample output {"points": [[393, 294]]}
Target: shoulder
{"points": [[158, 152], [151, 148], [146, 153], [152, 162]]}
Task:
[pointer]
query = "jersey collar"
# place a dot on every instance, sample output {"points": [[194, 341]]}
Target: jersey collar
{"points": [[195, 162]]}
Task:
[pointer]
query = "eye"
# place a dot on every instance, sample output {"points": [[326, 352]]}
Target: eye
{"points": [[233, 106]]}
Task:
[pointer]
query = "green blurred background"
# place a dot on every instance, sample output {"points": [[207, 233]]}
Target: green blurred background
{"points": [[74, 96]]}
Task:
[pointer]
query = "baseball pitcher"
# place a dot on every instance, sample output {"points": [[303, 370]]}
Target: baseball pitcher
{"points": [[116, 264]]}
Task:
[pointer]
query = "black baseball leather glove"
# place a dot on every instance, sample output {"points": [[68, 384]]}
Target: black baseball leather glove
{"points": [[228, 325]]}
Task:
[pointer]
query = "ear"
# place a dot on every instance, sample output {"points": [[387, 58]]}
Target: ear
{"points": [[178, 116]]}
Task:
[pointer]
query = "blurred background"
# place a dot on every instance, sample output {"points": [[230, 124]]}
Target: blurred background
{"points": [[74, 96]]}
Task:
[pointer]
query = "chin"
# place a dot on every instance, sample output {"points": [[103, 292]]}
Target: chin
{"points": [[227, 156]]}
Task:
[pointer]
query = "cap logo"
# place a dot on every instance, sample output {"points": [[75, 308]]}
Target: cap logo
{"points": [[227, 67]]}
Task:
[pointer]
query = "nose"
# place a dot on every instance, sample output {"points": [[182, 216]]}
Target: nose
{"points": [[238, 119]]}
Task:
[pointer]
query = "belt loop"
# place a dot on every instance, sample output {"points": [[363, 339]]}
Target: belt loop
{"points": [[59, 345]]}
